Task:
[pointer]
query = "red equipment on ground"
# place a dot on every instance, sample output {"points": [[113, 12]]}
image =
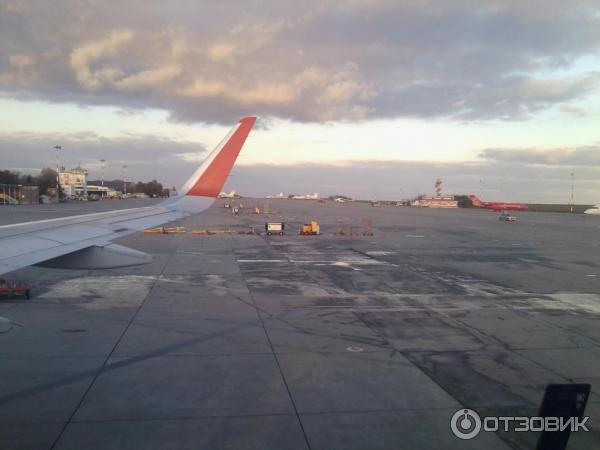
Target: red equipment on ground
{"points": [[10, 288]]}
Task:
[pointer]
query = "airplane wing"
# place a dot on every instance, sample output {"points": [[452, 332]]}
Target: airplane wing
{"points": [[84, 241]]}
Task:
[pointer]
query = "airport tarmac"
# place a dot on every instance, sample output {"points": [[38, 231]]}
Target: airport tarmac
{"points": [[305, 342]]}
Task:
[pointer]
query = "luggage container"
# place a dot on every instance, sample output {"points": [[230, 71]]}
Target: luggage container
{"points": [[274, 228]]}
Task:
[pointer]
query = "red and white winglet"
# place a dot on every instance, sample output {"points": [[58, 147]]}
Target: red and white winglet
{"points": [[208, 180]]}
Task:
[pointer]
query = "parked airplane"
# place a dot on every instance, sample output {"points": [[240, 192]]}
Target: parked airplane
{"points": [[306, 197], [594, 210], [497, 206], [84, 241], [231, 194]]}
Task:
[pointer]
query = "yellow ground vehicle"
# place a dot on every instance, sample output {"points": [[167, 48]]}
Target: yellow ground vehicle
{"points": [[311, 228]]}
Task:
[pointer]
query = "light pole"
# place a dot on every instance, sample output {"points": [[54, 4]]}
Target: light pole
{"points": [[57, 148], [124, 180], [102, 161], [572, 190]]}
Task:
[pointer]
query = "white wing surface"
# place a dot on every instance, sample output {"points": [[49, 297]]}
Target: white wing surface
{"points": [[84, 241]]}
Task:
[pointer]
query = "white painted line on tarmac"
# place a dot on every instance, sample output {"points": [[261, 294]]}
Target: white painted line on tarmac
{"points": [[262, 260], [354, 349]]}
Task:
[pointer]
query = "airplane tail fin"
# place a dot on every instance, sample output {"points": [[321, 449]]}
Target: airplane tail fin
{"points": [[476, 202], [209, 178]]}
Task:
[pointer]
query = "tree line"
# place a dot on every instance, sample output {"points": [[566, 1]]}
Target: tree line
{"points": [[45, 179]]}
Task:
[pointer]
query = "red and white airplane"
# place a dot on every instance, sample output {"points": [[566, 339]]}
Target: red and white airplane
{"points": [[497, 206], [84, 241]]}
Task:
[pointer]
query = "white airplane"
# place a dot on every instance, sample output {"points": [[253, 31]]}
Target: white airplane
{"points": [[280, 195], [339, 200], [231, 194], [306, 197], [593, 211], [84, 241]]}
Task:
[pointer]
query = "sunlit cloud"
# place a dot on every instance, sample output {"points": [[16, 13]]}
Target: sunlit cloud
{"points": [[316, 62]]}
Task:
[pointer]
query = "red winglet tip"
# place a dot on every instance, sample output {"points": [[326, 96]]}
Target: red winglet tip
{"points": [[210, 182], [250, 120]]}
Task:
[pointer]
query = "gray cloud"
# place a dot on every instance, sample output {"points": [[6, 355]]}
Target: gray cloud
{"points": [[146, 156], [207, 61], [566, 157], [404, 179]]}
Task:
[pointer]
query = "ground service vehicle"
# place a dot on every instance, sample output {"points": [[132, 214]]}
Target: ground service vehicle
{"points": [[274, 228], [311, 228], [506, 217]]}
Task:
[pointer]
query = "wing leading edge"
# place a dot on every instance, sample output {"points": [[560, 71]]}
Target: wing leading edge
{"points": [[84, 241]]}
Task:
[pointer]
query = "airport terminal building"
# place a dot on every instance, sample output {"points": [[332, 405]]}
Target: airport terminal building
{"points": [[73, 182]]}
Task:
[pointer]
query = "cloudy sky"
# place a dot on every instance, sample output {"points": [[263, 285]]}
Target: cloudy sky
{"points": [[371, 98]]}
